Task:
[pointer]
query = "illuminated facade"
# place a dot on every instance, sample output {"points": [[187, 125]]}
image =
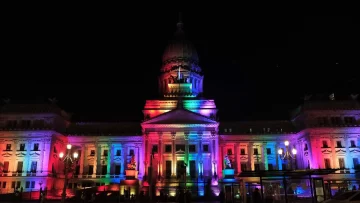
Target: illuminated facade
{"points": [[180, 138]]}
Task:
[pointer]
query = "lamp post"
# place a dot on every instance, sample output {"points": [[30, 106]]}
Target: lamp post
{"points": [[287, 155], [185, 165], [68, 160]]}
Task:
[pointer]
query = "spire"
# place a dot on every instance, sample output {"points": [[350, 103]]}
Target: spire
{"points": [[180, 23], [180, 31]]}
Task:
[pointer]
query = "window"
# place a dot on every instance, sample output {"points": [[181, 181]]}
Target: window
{"points": [[327, 163], [117, 169], [18, 184], [322, 121], [257, 167], [36, 147], [91, 169], [268, 150], [92, 152], [8, 147], [11, 124], [305, 147], [168, 148], [32, 184], [256, 152], [243, 167], [103, 169], [22, 147], [25, 123], [206, 148], [229, 151], [336, 120], [341, 163], [55, 150], [118, 152], [349, 120], [356, 163], [242, 151], [338, 144], [19, 167], [192, 148], [4, 185], [33, 167], [352, 143], [38, 123], [180, 147], [131, 152], [27, 184], [6, 167], [155, 149], [325, 144], [106, 152], [270, 167]]}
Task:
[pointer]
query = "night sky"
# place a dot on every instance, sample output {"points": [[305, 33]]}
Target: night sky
{"points": [[105, 65]]}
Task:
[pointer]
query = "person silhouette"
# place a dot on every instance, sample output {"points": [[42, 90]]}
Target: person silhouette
{"points": [[256, 195]]}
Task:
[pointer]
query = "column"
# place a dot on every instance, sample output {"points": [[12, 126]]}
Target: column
{"points": [[251, 155], [82, 160], [186, 137], [160, 148], [112, 156], [146, 153], [122, 154], [215, 154], [108, 162], [348, 158], [28, 154], [216, 141], [97, 159], [173, 137], [277, 167], [46, 150], [265, 157], [237, 156], [200, 160], [299, 155], [14, 162], [138, 157]]}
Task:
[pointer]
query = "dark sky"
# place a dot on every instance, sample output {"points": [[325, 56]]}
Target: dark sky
{"points": [[105, 65]]}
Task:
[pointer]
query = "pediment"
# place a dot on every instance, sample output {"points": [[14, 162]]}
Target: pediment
{"points": [[180, 116]]}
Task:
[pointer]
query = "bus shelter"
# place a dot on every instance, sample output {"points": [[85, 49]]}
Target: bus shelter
{"points": [[284, 186]]}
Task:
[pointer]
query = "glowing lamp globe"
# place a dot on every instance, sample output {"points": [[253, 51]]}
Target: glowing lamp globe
{"points": [[76, 155]]}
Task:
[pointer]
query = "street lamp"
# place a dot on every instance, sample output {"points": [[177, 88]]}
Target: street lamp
{"points": [[287, 155], [68, 166]]}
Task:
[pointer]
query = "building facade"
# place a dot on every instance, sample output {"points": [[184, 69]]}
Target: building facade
{"points": [[179, 140]]}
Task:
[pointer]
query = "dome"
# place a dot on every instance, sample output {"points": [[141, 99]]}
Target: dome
{"points": [[180, 49]]}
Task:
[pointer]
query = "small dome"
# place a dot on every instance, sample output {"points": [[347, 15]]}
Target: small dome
{"points": [[180, 49]]}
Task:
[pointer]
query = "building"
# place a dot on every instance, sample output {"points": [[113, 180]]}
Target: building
{"points": [[180, 140]]}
